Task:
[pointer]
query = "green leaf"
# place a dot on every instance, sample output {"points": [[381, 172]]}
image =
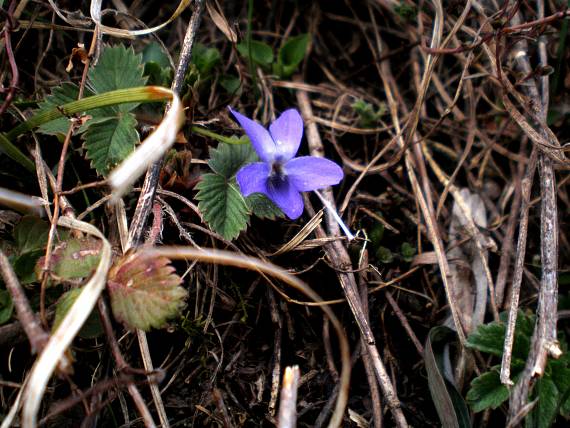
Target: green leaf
{"points": [[406, 11], [544, 412], [487, 391], [205, 59], [261, 53], [408, 251], [120, 96], [109, 142], [31, 234], [227, 159], [91, 328], [376, 234], [560, 374], [118, 68], [490, 337], [145, 292], [231, 84], [263, 207], [153, 52], [6, 307], [157, 75], [73, 259], [450, 406], [292, 54], [222, 205], [25, 266], [30, 237], [384, 255], [60, 95], [368, 116]]}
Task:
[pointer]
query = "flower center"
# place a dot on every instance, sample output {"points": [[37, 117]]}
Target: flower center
{"points": [[277, 175]]}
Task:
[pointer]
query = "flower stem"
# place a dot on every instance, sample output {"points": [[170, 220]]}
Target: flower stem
{"points": [[228, 140]]}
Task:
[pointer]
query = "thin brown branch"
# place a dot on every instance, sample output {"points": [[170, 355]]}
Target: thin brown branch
{"points": [[29, 322]]}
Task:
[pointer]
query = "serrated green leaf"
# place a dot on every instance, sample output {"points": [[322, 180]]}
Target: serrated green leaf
{"points": [[60, 95], [6, 306], [560, 374], [261, 53], [490, 337], [263, 207], [109, 142], [292, 54], [227, 159], [91, 328], [487, 391], [544, 412], [31, 234], [118, 68], [222, 205], [145, 292], [73, 259]]}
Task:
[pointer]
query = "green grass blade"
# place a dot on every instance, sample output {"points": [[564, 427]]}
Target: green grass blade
{"points": [[121, 96], [15, 154], [143, 94]]}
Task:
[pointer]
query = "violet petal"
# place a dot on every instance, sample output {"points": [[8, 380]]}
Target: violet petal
{"points": [[260, 139], [311, 173], [286, 197], [252, 178], [287, 132]]}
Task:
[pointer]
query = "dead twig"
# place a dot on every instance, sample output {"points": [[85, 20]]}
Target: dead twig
{"points": [[28, 320]]}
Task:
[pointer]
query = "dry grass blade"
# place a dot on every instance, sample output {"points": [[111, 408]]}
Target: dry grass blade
{"points": [[20, 202], [232, 259], [59, 341], [95, 10], [298, 239], [151, 149]]}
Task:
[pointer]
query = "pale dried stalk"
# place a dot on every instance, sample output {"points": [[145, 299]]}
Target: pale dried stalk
{"points": [[287, 417], [20, 202], [518, 269], [59, 341], [390, 86], [150, 184], [339, 257]]}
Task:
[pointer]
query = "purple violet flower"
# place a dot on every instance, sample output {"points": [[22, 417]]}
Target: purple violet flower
{"points": [[280, 175]]}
